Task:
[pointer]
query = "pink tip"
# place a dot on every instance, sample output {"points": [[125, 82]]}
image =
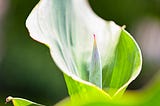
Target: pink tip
{"points": [[94, 36], [94, 39]]}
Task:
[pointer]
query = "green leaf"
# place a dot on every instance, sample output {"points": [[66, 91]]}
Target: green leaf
{"points": [[67, 27], [124, 66], [21, 102], [147, 96], [83, 93], [144, 97]]}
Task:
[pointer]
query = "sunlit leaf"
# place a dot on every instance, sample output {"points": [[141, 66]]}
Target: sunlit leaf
{"points": [[147, 96], [84, 91], [124, 66], [21, 102]]}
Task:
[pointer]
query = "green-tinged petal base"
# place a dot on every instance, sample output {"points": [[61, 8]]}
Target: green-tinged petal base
{"points": [[83, 92]]}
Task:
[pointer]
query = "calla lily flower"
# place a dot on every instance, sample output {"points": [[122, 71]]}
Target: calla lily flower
{"points": [[95, 55]]}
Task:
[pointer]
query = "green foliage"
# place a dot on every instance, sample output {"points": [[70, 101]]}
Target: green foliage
{"points": [[147, 96], [21, 102], [124, 66]]}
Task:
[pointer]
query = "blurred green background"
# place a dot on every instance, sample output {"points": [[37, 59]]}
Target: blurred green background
{"points": [[27, 69]]}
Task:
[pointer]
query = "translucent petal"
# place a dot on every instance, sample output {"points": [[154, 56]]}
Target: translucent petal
{"points": [[67, 27]]}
